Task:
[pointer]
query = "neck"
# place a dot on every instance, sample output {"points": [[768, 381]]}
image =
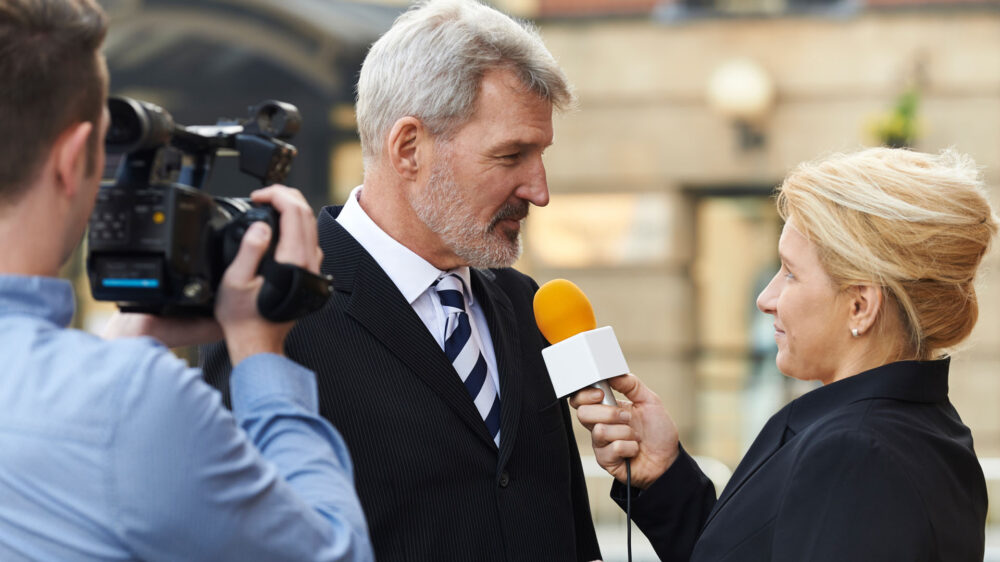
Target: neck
{"points": [[871, 351], [385, 199], [34, 242]]}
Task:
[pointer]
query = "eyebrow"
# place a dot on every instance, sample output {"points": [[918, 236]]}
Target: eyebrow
{"points": [[519, 145], [784, 259]]}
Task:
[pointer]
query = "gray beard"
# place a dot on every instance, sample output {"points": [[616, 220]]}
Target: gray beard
{"points": [[443, 209]]}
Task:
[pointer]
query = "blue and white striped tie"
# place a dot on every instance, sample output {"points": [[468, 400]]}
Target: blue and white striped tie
{"points": [[465, 355]]}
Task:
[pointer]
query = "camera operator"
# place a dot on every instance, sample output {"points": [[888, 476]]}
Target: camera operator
{"points": [[115, 449]]}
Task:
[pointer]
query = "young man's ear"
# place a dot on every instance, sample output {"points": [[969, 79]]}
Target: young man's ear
{"points": [[405, 145], [70, 154]]}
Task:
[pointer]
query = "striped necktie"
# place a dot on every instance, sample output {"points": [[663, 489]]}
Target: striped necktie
{"points": [[465, 355]]}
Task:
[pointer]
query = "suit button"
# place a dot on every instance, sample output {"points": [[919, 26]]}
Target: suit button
{"points": [[504, 479]]}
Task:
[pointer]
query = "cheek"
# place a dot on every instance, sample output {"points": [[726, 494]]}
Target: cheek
{"points": [[806, 322]]}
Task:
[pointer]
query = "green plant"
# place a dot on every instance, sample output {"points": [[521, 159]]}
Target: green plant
{"points": [[899, 127]]}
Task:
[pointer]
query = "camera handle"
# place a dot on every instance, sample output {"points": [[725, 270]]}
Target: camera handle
{"points": [[289, 291]]}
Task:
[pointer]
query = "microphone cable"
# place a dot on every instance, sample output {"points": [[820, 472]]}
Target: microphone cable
{"points": [[628, 506]]}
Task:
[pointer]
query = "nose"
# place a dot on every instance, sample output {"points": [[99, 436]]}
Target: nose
{"points": [[535, 187], [767, 299]]}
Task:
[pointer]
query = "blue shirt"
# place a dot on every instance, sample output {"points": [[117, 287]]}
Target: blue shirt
{"points": [[116, 450]]}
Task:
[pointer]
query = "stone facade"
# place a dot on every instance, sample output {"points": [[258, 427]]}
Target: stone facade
{"points": [[644, 127]]}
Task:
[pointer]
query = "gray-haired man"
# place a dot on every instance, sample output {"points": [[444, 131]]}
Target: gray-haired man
{"points": [[428, 357]]}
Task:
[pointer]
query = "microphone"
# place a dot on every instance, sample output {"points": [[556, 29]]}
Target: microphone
{"points": [[581, 354]]}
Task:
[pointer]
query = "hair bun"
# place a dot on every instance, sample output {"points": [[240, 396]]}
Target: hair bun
{"points": [[917, 224]]}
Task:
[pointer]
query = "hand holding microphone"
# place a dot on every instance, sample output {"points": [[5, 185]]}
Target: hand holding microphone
{"points": [[640, 431], [583, 356]]}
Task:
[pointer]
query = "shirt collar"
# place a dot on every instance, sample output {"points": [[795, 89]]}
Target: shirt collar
{"points": [[411, 274], [44, 297], [909, 381], [464, 273]]}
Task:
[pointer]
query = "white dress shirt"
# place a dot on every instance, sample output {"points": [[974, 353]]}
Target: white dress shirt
{"points": [[414, 277]]}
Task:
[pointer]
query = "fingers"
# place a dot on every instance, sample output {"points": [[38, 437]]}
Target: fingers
{"points": [[586, 396], [633, 389], [243, 270], [590, 414], [629, 385], [298, 244], [606, 434], [615, 453]]}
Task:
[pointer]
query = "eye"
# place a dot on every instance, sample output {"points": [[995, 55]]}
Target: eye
{"points": [[512, 157], [788, 274]]}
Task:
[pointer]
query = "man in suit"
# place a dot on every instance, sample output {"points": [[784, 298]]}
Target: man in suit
{"points": [[427, 355]]}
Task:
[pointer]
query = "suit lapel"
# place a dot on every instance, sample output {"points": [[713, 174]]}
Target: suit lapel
{"points": [[767, 443], [379, 307], [507, 347]]}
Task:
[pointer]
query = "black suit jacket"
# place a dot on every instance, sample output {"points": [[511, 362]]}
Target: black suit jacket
{"points": [[431, 481], [876, 467]]}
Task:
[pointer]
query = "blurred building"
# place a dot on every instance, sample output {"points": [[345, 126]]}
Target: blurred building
{"points": [[691, 113], [206, 60]]}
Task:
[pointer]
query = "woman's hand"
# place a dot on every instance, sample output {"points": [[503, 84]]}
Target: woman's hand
{"points": [[639, 429]]}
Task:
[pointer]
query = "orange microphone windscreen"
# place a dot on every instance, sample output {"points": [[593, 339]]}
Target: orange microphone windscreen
{"points": [[562, 310]]}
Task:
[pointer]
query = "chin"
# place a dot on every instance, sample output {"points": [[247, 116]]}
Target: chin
{"points": [[784, 365], [800, 372]]}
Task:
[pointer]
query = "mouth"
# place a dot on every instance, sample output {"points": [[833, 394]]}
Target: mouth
{"points": [[510, 216], [778, 331], [510, 224]]}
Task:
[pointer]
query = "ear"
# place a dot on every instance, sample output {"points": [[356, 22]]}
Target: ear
{"points": [[866, 304], [406, 146], [70, 156]]}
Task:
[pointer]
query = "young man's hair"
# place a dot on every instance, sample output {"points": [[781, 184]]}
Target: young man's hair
{"points": [[52, 75]]}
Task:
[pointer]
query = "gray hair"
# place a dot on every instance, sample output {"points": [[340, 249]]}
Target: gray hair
{"points": [[429, 65]]}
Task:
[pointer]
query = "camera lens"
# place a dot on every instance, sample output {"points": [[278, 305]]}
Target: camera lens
{"points": [[126, 125], [265, 120], [276, 119], [136, 125]]}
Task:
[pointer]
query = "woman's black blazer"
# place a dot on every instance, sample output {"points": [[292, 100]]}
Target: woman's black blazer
{"points": [[878, 467]]}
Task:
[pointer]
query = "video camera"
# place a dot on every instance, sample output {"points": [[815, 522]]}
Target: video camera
{"points": [[159, 244]]}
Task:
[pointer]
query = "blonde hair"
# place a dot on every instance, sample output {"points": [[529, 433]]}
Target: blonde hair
{"points": [[915, 224]]}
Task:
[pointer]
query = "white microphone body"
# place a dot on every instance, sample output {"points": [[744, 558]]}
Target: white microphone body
{"points": [[586, 359]]}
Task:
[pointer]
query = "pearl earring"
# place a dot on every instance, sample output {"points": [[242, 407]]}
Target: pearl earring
{"points": [[855, 333]]}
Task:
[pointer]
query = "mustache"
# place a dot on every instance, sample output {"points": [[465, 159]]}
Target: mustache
{"points": [[515, 211]]}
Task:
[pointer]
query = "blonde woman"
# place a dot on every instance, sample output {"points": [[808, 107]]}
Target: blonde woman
{"points": [[879, 253]]}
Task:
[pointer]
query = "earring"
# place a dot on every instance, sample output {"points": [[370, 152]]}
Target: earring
{"points": [[855, 333]]}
